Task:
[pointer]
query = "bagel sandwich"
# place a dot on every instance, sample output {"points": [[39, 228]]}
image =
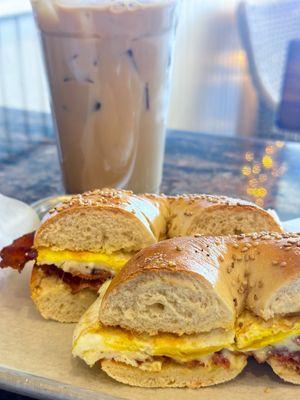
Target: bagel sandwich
{"points": [[87, 240], [188, 312]]}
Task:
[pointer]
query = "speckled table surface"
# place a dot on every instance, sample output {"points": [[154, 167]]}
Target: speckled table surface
{"points": [[267, 172]]}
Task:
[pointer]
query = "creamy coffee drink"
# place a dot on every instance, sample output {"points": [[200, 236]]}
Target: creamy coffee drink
{"points": [[109, 65]]}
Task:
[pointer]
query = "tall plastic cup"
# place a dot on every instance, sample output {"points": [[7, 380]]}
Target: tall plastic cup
{"points": [[109, 64]]}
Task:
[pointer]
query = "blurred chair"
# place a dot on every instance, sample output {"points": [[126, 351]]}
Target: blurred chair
{"points": [[266, 28]]}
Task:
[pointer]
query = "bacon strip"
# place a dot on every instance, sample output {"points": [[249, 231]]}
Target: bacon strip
{"points": [[290, 360], [76, 283], [194, 364], [95, 275], [219, 359], [18, 253]]}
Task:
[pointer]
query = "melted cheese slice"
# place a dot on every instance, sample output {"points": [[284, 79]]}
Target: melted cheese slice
{"points": [[253, 332], [82, 261], [93, 342]]}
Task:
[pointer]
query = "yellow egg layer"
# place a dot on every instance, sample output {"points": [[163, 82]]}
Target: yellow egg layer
{"points": [[182, 348], [92, 341], [253, 332], [114, 261]]}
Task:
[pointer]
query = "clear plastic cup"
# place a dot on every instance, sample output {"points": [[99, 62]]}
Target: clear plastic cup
{"points": [[109, 64]]}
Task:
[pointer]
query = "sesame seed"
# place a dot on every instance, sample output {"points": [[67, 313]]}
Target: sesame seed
{"points": [[188, 214], [266, 237], [236, 246], [221, 257], [283, 264], [197, 235], [275, 262], [241, 289], [244, 249], [178, 248]]}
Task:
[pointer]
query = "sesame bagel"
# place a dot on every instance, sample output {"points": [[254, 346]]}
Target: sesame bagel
{"points": [[93, 235], [188, 311]]}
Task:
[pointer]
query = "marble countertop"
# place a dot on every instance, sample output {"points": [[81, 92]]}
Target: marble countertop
{"points": [[267, 172]]}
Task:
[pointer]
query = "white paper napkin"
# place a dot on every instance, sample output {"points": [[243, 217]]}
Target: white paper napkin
{"points": [[16, 219]]}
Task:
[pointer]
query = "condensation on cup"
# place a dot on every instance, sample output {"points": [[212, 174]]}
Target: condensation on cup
{"points": [[109, 66]]}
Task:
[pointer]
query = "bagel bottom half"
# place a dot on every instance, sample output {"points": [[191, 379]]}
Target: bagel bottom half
{"points": [[55, 300], [174, 375], [288, 374]]}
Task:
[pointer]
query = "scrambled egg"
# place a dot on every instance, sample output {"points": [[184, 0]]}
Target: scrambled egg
{"points": [[82, 261], [93, 342], [253, 332]]}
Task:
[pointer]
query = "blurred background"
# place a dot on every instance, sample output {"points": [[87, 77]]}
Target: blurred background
{"points": [[236, 74], [229, 63]]}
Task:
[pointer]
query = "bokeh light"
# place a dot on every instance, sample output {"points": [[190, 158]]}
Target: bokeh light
{"points": [[262, 173], [249, 156], [246, 170], [267, 162]]}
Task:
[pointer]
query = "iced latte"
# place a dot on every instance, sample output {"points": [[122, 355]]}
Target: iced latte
{"points": [[109, 65]]}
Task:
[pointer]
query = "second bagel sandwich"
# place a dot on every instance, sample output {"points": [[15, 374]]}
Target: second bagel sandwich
{"points": [[187, 312]]}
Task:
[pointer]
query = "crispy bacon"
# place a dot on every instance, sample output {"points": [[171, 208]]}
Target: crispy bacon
{"points": [[95, 275], [221, 360], [76, 283], [217, 359], [194, 364], [18, 253], [290, 360]]}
